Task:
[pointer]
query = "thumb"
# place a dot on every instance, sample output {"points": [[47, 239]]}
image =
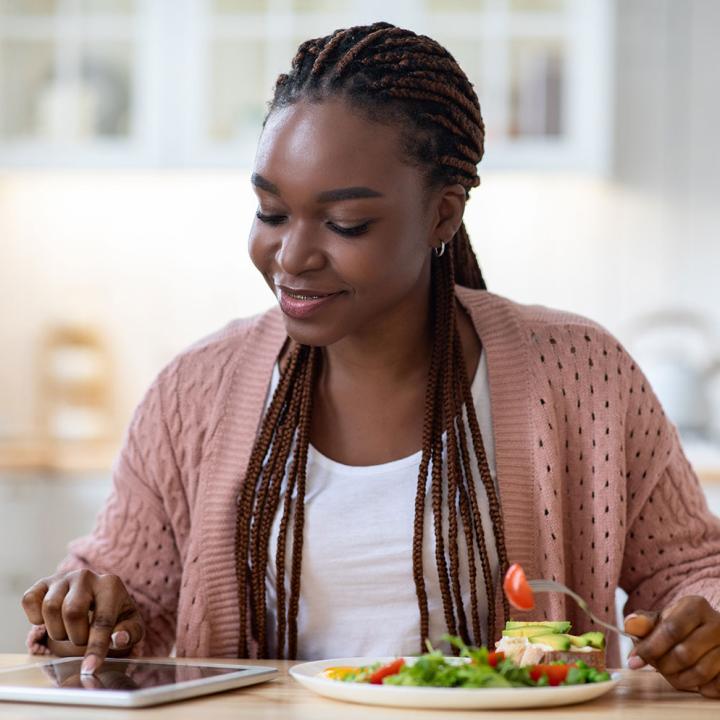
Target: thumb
{"points": [[641, 623], [127, 633]]}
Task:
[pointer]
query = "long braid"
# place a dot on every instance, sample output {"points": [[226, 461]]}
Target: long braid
{"points": [[410, 80]]}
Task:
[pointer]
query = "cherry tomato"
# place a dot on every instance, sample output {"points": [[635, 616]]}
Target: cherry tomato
{"points": [[536, 672], [516, 587], [495, 657], [556, 674], [392, 668]]}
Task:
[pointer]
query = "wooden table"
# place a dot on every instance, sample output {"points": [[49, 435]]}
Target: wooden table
{"points": [[640, 695]]}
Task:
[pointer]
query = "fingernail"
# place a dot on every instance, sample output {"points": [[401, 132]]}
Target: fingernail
{"points": [[631, 616], [635, 662], [89, 665], [120, 639]]}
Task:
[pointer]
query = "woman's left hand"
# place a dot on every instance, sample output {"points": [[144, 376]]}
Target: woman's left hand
{"points": [[682, 642]]}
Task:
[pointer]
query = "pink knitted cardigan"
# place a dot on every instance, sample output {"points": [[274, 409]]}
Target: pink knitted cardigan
{"points": [[595, 489]]}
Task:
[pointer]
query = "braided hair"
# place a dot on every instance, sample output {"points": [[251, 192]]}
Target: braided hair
{"points": [[393, 76]]}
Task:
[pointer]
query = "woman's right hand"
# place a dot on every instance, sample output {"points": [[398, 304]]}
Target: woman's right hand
{"points": [[85, 614]]}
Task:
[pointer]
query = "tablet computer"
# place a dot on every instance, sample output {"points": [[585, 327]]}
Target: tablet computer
{"points": [[123, 682]]}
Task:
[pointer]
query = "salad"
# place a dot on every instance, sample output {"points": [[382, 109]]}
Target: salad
{"points": [[476, 668]]}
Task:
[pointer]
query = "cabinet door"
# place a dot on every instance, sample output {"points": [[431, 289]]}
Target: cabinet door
{"points": [[70, 82], [541, 69]]}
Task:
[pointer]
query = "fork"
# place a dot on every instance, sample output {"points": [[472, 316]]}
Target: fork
{"points": [[553, 586]]}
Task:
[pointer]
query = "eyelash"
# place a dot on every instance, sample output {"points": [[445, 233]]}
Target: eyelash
{"points": [[275, 220]]}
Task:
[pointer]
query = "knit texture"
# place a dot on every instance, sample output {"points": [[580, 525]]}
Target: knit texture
{"points": [[595, 489]]}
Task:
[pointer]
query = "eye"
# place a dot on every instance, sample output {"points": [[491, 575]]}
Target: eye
{"points": [[270, 219], [351, 231]]}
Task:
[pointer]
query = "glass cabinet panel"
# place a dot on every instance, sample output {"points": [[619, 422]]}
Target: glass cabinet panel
{"points": [[537, 78], [105, 74], [106, 7], [239, 6], [316, 6], [27, 70], [238, 91], [464, 6], [538, 6], [68, 80], [28, 7]]}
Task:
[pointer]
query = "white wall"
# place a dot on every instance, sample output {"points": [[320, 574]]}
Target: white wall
{"points": [[158, 260]]}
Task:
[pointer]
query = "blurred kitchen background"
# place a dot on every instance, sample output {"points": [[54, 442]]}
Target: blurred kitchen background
{"points": [[127, 130]]}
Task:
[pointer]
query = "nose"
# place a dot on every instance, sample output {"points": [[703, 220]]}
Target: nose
{"points": [[299, 251]]}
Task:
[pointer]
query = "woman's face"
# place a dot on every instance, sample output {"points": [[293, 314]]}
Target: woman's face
{"points": [[344, 229]]}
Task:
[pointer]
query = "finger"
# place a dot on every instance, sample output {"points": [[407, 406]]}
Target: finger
{"points": [[640, 623], [711, 689], [76, 613], [52, 609], [671, 629], [90, 682], [32, 601], [705, 671], [129, 630], [687, 653], [634, 661], [109, 596]]}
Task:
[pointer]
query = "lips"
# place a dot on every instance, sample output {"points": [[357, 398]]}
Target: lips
{"points": [[301, 303]]}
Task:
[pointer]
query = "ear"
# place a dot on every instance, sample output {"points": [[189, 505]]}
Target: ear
{"points": [[449, 207]]}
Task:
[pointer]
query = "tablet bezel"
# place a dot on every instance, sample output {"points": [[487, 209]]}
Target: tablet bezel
{"points": [[245, 675]]}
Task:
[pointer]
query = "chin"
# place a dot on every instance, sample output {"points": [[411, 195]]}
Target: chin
{"points": [[314, 334]]}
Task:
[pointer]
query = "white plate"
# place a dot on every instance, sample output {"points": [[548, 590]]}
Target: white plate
{"points": [[309, 675]]}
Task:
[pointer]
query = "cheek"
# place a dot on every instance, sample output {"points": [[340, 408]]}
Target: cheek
{"points": [[260, 249], [388, 262]]}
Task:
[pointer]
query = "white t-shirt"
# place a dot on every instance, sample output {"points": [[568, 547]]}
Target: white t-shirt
{"points": [[357, 590]]}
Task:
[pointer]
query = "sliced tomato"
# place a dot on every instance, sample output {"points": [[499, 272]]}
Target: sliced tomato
{"points": [[536, 672], [494, 657], [556, 673], [515, 585], [392, 668]]}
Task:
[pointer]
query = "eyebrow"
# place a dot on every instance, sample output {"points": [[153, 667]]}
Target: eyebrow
{"points": [[348, 193]]}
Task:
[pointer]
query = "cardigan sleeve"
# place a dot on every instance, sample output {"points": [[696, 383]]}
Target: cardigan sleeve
{"points": [[133, 536], [673, 541]]}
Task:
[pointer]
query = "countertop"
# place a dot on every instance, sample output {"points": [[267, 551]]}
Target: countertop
{"points": [[641, 695]]}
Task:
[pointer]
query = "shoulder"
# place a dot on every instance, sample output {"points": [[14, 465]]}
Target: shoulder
{"points": [[560, 348], [195, 382], [534, 323], [212, 355]]}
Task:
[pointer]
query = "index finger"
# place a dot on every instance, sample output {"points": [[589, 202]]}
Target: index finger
{"points": [[108, 600], [671, 629], [32, 601]]}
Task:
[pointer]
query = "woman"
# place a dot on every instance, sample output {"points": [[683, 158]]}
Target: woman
{"points": [[351, 473]]}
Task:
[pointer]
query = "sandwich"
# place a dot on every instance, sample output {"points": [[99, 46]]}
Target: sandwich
{"points": [[541, 643]]}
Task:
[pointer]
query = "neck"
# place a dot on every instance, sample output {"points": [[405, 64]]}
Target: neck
{"points": [[397, 347]]}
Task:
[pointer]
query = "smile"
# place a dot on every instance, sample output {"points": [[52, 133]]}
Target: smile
{"points": [[300, 304]]}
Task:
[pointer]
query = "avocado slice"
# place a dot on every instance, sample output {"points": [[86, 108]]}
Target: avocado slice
{"points": [[594, 639], [558, 626], [529, 631], [555, 641]]}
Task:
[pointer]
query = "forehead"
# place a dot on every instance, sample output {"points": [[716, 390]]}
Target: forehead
{"points": [[324, 145]]}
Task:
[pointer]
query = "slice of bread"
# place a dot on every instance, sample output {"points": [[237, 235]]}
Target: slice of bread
{"points": [[593, 658]]}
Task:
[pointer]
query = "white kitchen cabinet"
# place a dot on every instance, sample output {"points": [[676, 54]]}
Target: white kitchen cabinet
{"points": [[186, 82], [74, 82], [39, 514]]}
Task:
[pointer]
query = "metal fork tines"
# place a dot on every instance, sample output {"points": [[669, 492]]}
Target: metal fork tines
{"points": [[553, 586]]}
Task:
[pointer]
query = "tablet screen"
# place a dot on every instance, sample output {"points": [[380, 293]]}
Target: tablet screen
{"points": [[114, 674]]}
